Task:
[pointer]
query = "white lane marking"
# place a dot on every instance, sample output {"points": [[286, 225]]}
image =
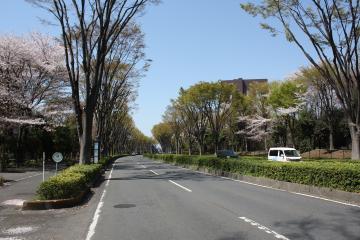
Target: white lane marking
{"points": [[10, 238], [263, 228], [186, 189], [325, 199], [154, 172], [142, 166], [254, 184], [301, 194], [20, 230], [13, 202], [27, 177], [95, 220]]}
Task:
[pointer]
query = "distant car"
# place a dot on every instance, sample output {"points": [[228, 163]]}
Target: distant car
{"points": [[226, 154], [283, 154]]}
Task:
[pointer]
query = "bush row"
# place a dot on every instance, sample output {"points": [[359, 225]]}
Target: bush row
{"points": [[332, 174], [72, 181], [69, 183]]}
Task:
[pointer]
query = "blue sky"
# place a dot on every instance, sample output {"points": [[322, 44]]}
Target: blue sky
{"points": [[189, 41]]}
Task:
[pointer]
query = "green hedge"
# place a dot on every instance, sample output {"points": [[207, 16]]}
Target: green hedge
{"points": [[72, 181], [332, 174], [69, 183]]}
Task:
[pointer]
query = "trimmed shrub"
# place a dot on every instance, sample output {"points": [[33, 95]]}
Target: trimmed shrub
{"points": [[332, 174], [69, 183]]}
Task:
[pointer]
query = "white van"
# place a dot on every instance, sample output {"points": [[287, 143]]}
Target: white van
{"points": [[283, 154]]}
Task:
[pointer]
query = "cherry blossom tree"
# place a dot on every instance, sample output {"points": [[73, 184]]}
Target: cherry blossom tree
{"points": [[31, 73]]}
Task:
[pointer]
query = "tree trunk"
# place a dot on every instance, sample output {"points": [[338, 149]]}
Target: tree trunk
{"points": [[86, 138], [331, 138], [355, 142], [19, 151], [265, 144]]}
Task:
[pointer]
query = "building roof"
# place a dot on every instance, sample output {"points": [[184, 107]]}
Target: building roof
{"points": [[243, 84]]}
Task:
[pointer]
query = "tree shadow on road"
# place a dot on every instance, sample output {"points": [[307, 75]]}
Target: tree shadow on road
{"points": [[344, 225], [170, 175]]}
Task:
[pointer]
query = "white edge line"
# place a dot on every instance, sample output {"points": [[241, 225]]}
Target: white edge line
{"points": [[282, 190], [154, 172], [96, 216], [20, 179], [263, 228], [186, 189]]}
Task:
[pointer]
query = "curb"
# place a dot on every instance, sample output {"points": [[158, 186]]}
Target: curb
{"points": [[322, 192], [54, 204]]}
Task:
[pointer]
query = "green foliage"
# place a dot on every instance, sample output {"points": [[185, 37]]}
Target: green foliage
{"points": [[69, 183], [162, 132], [332, 174]]}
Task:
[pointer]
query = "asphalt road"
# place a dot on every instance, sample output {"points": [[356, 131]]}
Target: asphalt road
{"points": [[143, 199]]}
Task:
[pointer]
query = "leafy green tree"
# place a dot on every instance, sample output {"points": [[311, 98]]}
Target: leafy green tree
{"points": [[163, 133], [287, 99], [221, 101]]}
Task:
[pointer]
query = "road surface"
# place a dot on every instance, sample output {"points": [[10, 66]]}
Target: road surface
{"points": [[146, 200]]}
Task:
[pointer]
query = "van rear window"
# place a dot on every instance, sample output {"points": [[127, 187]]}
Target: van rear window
{"points": [[273, 153]]}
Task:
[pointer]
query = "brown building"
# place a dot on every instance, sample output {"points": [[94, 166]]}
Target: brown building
{"points": [[243, 84]]}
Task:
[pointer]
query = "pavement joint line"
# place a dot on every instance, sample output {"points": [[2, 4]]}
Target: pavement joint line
{"points": [[180, 186], [263, 228], [154, 172], [96, 216]]}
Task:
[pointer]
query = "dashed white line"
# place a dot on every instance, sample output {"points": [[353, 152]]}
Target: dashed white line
{"points": [[95, 220], [154, 172], [180, 186], [263, 228], [142, 166]]}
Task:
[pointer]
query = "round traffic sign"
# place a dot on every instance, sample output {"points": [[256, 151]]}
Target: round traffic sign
{"points": [[57, 157]]}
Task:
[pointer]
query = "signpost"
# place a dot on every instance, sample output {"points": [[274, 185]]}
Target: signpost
{"points": [[43, 166], [57, 157]]}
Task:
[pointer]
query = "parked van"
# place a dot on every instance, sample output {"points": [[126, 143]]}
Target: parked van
{"points": [[283, 154]]}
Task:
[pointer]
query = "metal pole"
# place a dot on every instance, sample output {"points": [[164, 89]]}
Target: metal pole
{"points": [[43, 166], [56, 169]]}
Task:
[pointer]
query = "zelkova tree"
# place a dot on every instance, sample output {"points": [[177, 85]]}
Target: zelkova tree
{"points": [[125, 64], [327, 32], [89, 30], [220, 102], [192, 109], [163, 133]]}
